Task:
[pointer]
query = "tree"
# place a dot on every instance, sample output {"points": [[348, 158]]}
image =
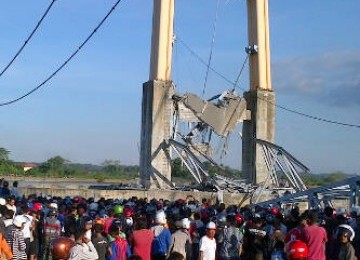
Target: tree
{"points": [[112, 167], [178, 169], [4, 154], [54, 166]]}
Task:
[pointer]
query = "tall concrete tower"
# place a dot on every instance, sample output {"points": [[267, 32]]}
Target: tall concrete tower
{"points": [[260, 98], [157, 105]]}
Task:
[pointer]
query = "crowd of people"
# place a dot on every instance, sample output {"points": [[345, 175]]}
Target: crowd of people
{"points": [[77, 228]]}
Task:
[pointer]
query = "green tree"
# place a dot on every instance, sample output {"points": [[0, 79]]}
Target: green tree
{"points": [[112, 167], [53, 166], [4, 154], [178, 169]]}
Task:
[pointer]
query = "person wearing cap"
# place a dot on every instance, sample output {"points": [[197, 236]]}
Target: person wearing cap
{"points": [[208, 243], [15, 238], [296, 250], [181, 241], [52, 228], [160, 246], [345, 234], [100, 242]]}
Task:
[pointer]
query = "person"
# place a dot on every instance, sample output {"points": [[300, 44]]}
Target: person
{"points": [[84, 249], [119, 248], [160, 246], [255, 239], [296, 250], [197, 230], [181, 241], [15, 191], [207, 243], [5, 191], [86, 223], [52, 229], [16, 239], [4, 247], [99, 241], [141, 239], [11, 204], [60, 248], [346, 234], [314, 237], [230, 240]]}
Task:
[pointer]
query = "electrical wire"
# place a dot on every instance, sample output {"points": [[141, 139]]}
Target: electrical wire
{"points": [[212, 46], [28, 38], [317, 118], [66, 61]]}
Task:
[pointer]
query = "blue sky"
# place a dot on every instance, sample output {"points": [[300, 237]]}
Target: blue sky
{"points": [[90, 111]]}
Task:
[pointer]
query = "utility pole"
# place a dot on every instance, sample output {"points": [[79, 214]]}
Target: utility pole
{"points": [[260, 98], [157, 105]]}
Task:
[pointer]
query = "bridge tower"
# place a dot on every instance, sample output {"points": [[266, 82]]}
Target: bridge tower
{"points": [[260, 98], [157, 105]]}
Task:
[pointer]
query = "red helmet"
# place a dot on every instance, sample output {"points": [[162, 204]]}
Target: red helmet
{"points": [[274, 211], [60, 248], [37, 206], [296, 250], [99, 221], [128, 212], [239, 219]]}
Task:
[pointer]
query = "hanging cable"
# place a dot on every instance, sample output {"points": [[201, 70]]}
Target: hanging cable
{"points": [[202, 61], [212, 46], [236, 82], [28, 38], [317, 118], [67, 60]]}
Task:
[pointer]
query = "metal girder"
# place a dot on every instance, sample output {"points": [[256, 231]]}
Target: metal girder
{"points": [[281, 166], [346, 189]]}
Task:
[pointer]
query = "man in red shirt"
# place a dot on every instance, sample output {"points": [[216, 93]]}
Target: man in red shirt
{"points": [[314, 237], [141, 239]]}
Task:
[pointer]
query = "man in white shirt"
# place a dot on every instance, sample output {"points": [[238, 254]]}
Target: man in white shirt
{"points": [[208, 243]]}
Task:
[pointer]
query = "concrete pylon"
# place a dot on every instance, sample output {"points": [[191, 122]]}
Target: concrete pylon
{"points": [[157, 105], [260, 99]]}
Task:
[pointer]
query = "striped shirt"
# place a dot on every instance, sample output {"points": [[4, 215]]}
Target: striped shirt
{"points": [[16, 241]]}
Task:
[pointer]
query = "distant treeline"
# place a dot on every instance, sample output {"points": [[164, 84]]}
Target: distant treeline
{"points": [[113, 169]]}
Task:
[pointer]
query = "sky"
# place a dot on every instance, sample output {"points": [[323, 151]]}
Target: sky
{"points": [[91, 110]]}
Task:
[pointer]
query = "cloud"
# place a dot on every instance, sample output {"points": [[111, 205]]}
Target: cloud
{"points": [[332, 78]]}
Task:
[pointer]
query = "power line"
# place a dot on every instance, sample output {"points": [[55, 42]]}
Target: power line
{"points": [[235, 84], [28, 38], [212, 46], [66, 61]]}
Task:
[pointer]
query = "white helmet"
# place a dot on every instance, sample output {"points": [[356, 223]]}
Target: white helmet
{"points": [[129, 222], [347, 228], [53, 205], [185, 223], [2, 201], [160, 217]]}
